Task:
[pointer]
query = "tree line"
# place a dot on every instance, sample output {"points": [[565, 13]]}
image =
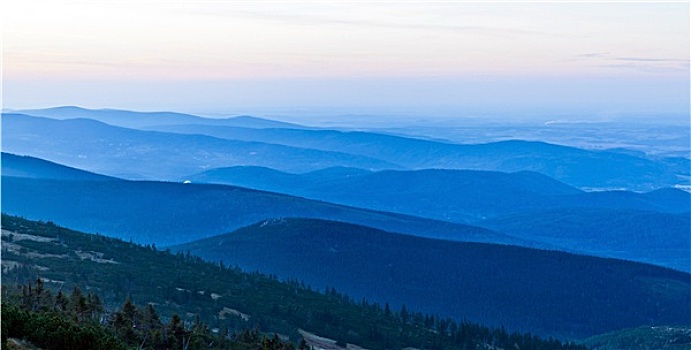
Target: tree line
{"points": [[79, 321]]}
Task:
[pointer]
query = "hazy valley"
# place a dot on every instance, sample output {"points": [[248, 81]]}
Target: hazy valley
{"points": [[504, 233]]}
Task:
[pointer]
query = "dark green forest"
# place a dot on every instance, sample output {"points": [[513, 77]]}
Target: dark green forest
{"points": [[181, 300], [523, 289], [78, 321]]}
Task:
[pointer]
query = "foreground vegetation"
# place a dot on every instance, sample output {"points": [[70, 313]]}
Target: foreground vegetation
{"points": [[78, 321], [187, 293]]}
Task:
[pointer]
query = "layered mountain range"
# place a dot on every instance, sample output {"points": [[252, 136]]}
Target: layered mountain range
{"points": [[506, 233]]}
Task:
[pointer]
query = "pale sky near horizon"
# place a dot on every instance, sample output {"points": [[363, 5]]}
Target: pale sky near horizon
{"points": [[597, 59]]}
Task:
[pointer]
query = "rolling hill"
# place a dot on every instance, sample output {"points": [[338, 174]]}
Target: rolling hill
{"points": [[169, 213], [548, 292], [452, 195], [132, 119], [25, 166], [225, 299], [656, 238], [609, 224], [648, 227], [577, 167], [129, 153], [192, 148]]}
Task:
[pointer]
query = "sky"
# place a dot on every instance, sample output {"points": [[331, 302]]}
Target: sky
{"points": [[316, 58]]}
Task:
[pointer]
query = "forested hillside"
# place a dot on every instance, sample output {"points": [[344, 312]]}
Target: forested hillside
{"points": [[224, 298], [521, 288]]}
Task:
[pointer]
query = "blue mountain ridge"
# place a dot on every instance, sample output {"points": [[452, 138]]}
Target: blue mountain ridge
{"points": [[133, 119], [626, 229], [548, 292], [137, 154], [300, 150], [576, 167]]}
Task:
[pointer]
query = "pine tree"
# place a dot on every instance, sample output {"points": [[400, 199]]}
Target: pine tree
{"points": [[404, 314], [126, 323], [61, 302], [78, 304], [176, 333]]}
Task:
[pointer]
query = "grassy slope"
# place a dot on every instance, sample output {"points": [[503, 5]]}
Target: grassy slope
{"points": [[643, 338]]}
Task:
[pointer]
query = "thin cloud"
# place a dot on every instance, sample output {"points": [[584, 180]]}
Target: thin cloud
{"points": [[586, 57], [341, 16], [643, 68], [593, 55], [646, 59], [642, 64]]}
